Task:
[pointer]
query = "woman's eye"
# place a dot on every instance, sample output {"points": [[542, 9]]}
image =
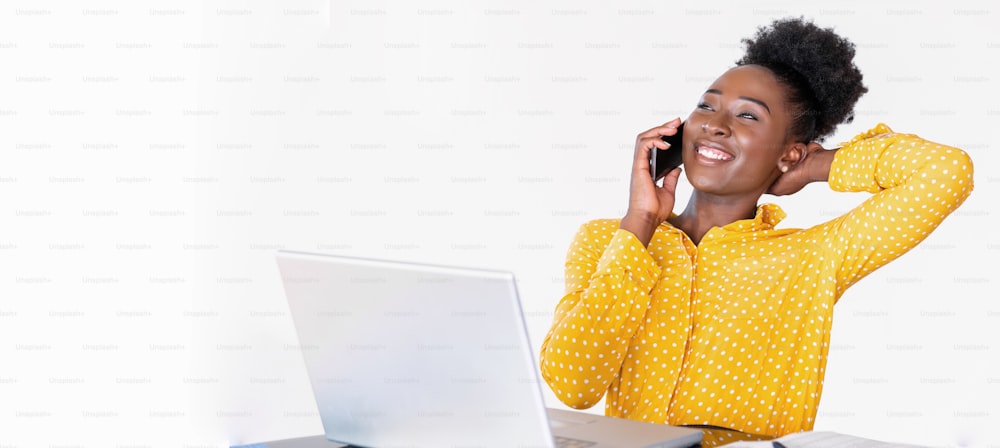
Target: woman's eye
{"points": [[748, 115], [704, 106]]}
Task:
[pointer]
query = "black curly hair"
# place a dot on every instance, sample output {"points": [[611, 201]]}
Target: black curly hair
{"points": [[817, 66]]}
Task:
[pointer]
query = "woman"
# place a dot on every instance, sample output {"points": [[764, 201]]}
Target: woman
{"points": [[715, 316]]}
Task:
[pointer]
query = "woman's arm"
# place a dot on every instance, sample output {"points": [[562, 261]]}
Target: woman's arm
{"points": [[609, 276], [916, 185]]}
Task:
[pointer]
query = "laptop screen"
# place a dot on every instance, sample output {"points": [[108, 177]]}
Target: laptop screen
{"points": [[403, 354]]}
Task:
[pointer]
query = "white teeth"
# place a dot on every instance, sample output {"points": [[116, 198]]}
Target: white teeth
{"points": [[713, 153]]}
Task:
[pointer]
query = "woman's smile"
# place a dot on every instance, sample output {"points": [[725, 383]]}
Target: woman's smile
{"points": [[712, 153]]}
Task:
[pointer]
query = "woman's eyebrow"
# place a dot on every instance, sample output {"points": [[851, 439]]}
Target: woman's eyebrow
{"points": [[751, 99]]}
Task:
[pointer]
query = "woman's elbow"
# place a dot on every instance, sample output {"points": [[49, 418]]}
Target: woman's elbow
{"points": [[958, 168], [577, 393]]}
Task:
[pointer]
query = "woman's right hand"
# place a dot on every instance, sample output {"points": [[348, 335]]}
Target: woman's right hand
{"points": [[650, 204]]}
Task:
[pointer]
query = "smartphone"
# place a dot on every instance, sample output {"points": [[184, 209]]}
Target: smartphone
{"points": [[662, 161]]}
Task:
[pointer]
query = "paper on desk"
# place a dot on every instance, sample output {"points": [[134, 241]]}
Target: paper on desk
{"points": [[820, 439]]}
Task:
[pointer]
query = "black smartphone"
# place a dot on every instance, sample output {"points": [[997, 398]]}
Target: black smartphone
{"points": [[662, 161]]}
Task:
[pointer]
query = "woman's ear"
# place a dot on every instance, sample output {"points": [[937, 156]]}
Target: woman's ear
{"points": [[792, 156], [795, 154]]}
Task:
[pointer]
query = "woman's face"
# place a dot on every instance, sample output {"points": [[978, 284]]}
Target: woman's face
{"points": [[736, 138]]}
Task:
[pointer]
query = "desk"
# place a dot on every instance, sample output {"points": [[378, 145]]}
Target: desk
{"points": [[713, 437], [300, 442]]}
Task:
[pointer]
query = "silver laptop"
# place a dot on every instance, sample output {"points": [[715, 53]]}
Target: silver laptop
{"points": [[412, 355]]}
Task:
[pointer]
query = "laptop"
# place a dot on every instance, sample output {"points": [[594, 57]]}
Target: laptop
{"points": [[412, 355]]}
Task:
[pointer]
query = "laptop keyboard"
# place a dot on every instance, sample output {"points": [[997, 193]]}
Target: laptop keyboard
{"points": [[566, 442]]}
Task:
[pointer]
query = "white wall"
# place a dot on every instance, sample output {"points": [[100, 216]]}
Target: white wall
{"points": [[155, 154]]}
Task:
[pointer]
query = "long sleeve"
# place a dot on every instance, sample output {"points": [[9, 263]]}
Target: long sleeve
{"points": [[917, 184], [609, 276]]}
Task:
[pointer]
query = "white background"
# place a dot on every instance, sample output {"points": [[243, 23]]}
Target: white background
{"points": [[156, 154]]}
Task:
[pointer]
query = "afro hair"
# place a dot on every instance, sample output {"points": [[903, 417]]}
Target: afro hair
{"points": [[818, 67]]}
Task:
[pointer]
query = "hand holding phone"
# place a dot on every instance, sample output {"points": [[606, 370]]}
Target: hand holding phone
{"points": [[662, 161], [649, 204]]}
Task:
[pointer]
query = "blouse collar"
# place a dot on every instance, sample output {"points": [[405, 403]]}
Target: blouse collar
{"points": [[766, 217]]}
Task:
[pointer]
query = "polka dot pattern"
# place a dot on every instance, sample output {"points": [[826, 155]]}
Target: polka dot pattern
{"points": [[734, 332]]}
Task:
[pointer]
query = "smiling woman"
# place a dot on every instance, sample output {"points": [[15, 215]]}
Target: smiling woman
{"points": [[715, 316]]}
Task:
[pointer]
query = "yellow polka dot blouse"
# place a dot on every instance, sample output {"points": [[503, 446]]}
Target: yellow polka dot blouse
{"points": [[734, 332]]}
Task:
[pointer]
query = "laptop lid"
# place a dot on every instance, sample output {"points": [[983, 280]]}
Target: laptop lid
{"points": [[402, 354]]}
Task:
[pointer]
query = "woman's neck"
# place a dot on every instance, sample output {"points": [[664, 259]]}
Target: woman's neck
{"points": [[705, 211]]}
